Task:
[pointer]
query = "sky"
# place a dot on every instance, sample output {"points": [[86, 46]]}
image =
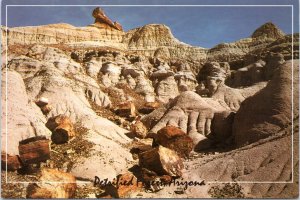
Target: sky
{"points": [[202, 25]]}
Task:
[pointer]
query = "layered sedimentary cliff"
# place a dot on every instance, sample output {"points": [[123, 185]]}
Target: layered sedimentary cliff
{"points": [[134, 104]]}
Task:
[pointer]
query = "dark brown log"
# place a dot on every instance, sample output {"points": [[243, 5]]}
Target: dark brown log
{"points": [[53, 184], [174, 138], [149, 107], [126, 109], [62, 133], [10, 163], [34, 150], [162, 160]]}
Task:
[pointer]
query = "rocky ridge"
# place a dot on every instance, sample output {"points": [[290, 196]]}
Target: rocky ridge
{"points": [[144, 106]]}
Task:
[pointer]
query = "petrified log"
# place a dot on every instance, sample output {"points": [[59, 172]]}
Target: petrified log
{"points": [[62, 133], [46, 109], [149, 107], [126, 109], [34, 150], [138, 129], [11, 163], [162, 160], [141, 145], [53, 184], [176, 139], [62, 129], [151, 178], [124, 186]]}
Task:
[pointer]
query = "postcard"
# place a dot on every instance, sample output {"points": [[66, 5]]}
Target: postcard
{"points": [[149, 99]]}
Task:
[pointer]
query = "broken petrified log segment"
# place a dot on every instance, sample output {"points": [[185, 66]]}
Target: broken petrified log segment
{"points": [[126, 109], [174, 138], [53, 184], [151, 179], [46, 109], [162, 160], [124, 186], [141, 145], [62, 129], [34, 150], [138, 129], [43, 104], [10, 163], [149, 107]]}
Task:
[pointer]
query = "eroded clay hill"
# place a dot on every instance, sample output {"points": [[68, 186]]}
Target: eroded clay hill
{"points": [[80, 102]]}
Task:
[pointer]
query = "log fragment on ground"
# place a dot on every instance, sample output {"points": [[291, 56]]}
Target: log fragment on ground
{"points": [[34, 150], [152, 180], [10, 163], [126, 109], [53, 184], [42, 102], [149, 107], [138, 129], [141, 145], [46, 109], [124, 186], [162, 160], [62, 129], [174, 138]]}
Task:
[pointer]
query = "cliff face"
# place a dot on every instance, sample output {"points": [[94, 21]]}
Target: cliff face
{"points": [[61, 33]]}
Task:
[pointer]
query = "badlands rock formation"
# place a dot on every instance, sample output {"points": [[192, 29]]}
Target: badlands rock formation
{"points": [[119, 90]]}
